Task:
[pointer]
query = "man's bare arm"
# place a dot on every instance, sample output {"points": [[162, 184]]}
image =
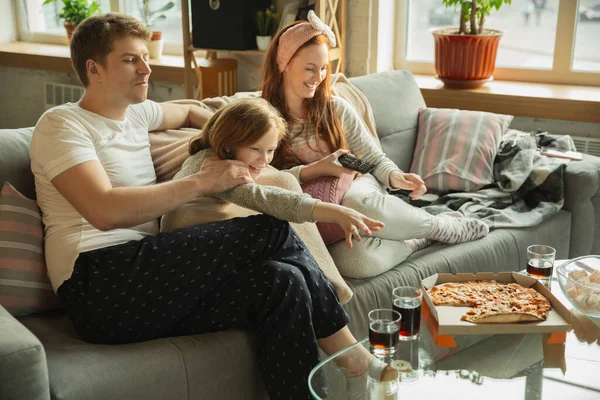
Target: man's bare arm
{"points": [[177, 116], [87, 187]]}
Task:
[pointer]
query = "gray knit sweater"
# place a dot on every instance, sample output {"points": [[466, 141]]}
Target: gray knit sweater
{"points": [[277, 202]]}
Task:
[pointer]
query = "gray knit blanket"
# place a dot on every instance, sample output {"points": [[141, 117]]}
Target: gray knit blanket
{"points": [[528, 188]]}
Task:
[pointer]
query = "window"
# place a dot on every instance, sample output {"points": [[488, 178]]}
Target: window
{"points": [[40, 23], [554, 41], [587, 50]]}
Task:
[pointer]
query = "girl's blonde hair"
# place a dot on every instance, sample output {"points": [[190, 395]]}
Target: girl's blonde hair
{"points": [[238, 124], [321, 110]]}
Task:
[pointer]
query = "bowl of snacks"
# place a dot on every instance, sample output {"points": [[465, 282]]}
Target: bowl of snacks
{"points": [[579, 280]]}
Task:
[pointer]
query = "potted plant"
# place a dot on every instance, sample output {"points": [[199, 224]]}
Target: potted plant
{"points": [[151, 17], [266, 21], [75, 11], [466, 58]]}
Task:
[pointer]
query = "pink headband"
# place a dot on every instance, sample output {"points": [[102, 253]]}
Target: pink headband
{"points": [[291, 40]]}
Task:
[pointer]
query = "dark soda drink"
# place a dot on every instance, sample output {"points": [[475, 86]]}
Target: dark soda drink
{"points": [[539, 269], [410, 309], [382, 337]]}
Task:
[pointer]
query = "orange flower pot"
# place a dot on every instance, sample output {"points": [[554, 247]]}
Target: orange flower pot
{"points": [[465, 61], [69, 28]]}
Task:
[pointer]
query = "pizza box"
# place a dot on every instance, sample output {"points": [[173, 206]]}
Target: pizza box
{"points": [[506, 356], [446, 320]]}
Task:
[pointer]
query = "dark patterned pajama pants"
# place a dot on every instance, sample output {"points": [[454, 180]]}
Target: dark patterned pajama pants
{"points": [[250, 272]]}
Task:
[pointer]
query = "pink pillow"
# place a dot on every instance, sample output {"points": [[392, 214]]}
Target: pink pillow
{"points": [[330, 190], [455, 149], [24, 284]]}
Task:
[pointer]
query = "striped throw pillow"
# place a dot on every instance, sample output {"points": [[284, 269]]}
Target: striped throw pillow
{"points": [[455, 149], [24, 285]]}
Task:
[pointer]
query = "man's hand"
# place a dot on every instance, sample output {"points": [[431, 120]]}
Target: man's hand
{"points": [[218, 175], [412, 182]]}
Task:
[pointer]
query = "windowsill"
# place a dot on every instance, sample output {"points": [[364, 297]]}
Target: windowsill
{"points": [[57, 58], [536, 100]]}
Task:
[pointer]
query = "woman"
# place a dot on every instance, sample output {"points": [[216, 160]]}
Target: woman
{"points": [[296, 80]]}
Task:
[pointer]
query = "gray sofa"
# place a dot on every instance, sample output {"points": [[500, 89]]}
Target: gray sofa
{"points": [[41, 356]]}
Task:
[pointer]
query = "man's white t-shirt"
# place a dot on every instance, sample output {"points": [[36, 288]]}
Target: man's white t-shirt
{"points": [[68, 135]]}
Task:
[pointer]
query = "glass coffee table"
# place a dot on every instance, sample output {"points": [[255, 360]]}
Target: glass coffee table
{"points": [[521, 366]]}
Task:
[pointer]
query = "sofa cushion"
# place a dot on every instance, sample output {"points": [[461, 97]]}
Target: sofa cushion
{"points": [[455, 149], [210, 366], [23, 367], [15, 164], [395, 99], [24, 284]]}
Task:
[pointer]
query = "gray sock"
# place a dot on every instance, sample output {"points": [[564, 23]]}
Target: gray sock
{"points": [[450, 228]]}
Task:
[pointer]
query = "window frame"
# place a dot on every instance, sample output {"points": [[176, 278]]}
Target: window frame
{"points": [[560, 73], [61, 39]]}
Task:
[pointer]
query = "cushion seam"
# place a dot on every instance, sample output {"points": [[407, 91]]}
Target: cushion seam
{"points": [[187, 380]]}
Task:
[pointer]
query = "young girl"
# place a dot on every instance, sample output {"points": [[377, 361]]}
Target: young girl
{"points": [[296, 80], [249, 131]]}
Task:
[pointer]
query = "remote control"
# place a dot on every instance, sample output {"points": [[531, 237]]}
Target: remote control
{"points": [[355, 164]]}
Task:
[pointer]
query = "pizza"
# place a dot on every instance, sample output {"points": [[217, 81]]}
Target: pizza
{"points": [[492, 302]]}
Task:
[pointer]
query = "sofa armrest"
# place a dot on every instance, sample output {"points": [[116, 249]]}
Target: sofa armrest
{"points": [[23, 367], [582, 199]]}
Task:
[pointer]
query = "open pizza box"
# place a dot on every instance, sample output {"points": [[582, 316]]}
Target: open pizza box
{"points": [[507, 356], [445, 321]]}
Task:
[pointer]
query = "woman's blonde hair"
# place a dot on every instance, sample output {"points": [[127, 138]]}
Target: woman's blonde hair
{"points": [[238, 124], [321, 110]]}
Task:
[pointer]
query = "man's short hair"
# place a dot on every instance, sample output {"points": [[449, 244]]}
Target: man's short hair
{"points": [[94, 37]]}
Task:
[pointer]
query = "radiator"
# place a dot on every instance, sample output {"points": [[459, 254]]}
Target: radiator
{"points": [[587, 145], [57, 94]]}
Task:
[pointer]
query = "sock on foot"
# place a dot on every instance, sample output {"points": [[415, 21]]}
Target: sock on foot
{"points": [[418, 244], [449, 228], [378, 370]]}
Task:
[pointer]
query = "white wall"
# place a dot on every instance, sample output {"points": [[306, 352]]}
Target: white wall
{"points": [[22, 94]]}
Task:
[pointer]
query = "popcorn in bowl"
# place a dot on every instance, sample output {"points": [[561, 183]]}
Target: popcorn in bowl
{"points": [[579, 280]]}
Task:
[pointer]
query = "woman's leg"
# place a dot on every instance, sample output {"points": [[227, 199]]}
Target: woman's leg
{"points": [[370, 257], [403, 221]]}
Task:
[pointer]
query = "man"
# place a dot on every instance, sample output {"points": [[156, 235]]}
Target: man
{"points": [[119, 279]]}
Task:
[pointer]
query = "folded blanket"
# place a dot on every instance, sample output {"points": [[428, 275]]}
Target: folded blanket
{"points": [[528, 189]]}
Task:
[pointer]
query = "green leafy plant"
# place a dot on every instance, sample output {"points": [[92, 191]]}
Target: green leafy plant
{"points": [[266, 21], [474, 12], [151, 17], [75, 11]]}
